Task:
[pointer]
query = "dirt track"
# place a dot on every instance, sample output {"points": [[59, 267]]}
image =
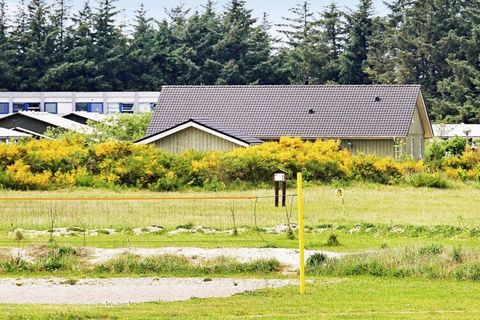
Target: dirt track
{"points": [[124, 290]]}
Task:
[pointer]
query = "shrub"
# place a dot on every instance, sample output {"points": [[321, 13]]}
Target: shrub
{"points": [[333, 240], [429, 180], [74, 160], [316, 260]]}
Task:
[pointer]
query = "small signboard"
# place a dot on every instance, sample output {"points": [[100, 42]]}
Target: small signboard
{"points": [[279, 177]]}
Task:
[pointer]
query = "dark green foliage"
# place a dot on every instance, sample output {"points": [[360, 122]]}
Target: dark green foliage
{"points": [[440, 149], [332, 240], [435, 43], [316, 260], [429, 180], [354, 58]]}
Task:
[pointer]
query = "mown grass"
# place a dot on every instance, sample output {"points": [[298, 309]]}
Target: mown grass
{"points": [[364, 203], [326, 298]]}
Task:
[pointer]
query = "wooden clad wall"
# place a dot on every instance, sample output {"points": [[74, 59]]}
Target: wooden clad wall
{"points": [[415, 144], [194, 139], [382, 147]]}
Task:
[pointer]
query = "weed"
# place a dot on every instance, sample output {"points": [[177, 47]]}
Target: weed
{"points": [[433, 249], [316, 260], [290, 234], [187, 226], [457, 254], [333, 240]]}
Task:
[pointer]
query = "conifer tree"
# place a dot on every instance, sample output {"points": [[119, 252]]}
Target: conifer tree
{"points": [[141, 53], [5, 67], [354, 58]]}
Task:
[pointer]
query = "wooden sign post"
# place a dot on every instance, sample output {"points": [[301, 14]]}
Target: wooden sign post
{"points": [[280, 180]]}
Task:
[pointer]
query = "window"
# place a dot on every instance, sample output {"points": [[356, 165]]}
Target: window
{"points": [[126, 107], [51, 107], [4, 108], [113, 108], [145, 107], [413, 148], [421, 148], [26, 107], [89, 106]]}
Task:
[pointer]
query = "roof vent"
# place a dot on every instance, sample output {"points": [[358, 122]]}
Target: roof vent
{"points": [[311, 111], [378, 99]]}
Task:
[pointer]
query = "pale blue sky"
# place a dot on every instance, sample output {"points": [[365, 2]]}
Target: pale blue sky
{"points": [[275, 8]]}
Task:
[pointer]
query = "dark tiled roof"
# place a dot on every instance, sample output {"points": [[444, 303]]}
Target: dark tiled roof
{"points": [[302, 111]]}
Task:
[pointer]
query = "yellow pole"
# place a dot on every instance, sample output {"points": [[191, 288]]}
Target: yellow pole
{"points": [[301, 234]]}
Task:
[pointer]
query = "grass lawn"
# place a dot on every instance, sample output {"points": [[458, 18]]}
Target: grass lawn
{"points": [[363, 203], [326, 298], [374, 204], [348, 242]]}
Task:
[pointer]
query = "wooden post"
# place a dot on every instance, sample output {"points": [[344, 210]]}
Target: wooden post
{"points": [[280, 179], [277, 189]]}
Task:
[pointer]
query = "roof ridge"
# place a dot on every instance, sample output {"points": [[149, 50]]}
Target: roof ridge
{"points": [[291, 85]]}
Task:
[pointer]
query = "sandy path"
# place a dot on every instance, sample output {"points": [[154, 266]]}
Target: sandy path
{"points": [[287, 257], [125, 290]]}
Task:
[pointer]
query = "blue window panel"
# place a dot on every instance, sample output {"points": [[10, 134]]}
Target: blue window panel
{"points": [[4, 108], [51, 107], [81, 106], [26, 106], [126, 107], [95, 107], [89, 106]]}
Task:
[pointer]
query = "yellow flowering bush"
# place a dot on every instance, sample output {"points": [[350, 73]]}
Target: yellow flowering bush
{"points": [[74, 161]]}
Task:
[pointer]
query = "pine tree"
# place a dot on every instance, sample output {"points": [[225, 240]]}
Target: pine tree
{"points": [[307, 53], [5, 68], [203, 31], [140, 56], [428, 37], [30, 42], [234, 46], [296, 29], [354, 58], [78, 70], [459, 93], [109, 47]]}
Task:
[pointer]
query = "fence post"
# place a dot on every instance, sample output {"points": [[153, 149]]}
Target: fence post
{"points": [[301, 234]]}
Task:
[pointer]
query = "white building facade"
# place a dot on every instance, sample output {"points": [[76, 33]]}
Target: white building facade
{"points": [[67, 102]]}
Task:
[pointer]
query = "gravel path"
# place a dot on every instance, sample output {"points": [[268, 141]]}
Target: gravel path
{"points": [[125, 290]]}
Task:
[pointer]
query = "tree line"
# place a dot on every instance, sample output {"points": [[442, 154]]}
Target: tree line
{"points": [[435, 43]]}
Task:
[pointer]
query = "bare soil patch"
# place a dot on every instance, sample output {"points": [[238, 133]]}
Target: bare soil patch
{"points": [[125, 290]]}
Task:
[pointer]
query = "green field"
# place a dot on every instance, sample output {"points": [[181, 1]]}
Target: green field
{"points": [[382, 207], [326, 298], [375, 219], [376, 204]]}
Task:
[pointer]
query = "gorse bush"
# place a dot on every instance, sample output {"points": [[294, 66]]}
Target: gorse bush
{"points": [[77, 161]]}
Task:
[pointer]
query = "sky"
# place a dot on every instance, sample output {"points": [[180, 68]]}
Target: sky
{"points": [[275, 8]]}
